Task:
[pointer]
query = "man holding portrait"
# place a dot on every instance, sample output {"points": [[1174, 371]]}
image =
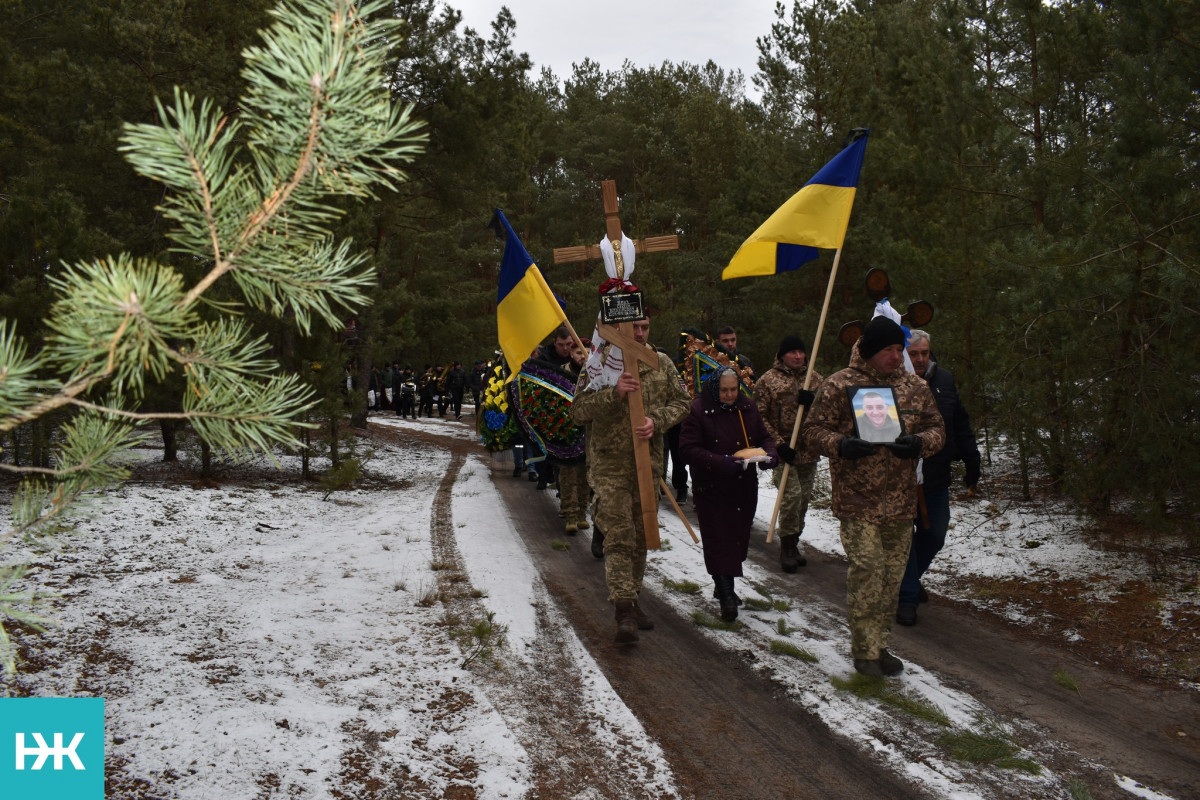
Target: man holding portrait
{"points": [[874, 482]]}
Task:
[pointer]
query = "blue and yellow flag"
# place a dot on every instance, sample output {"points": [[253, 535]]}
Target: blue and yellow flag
{"points": [[816, 216], [526, 310]]}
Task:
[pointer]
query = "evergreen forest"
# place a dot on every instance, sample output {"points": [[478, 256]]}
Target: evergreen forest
{"points": [[1031, 171]]}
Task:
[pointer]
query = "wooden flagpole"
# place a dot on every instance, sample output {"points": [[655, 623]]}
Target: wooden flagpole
{"points": [[812, 359]]}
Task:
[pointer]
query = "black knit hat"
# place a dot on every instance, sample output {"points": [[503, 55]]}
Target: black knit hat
{"points": [[789, 344], [879, 333]]}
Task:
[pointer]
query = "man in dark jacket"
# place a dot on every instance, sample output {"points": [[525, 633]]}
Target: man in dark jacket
{"points": [[426, 385], [406, 393], [960, 446], [476, 380], [456, 384], [728, 338]]}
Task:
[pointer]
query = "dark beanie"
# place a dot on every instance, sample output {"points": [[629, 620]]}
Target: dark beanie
{"points": [[879, 333], [789, 344]]}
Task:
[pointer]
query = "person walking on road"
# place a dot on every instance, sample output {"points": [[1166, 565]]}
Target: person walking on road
{"points": [[928, 539], [612, 468], [874, 485], [721, 426], [779, 394]]}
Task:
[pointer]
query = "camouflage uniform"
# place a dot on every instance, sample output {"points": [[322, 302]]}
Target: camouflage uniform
{"points": [[612, 470], [776, 395], [573, 491], [875, 497]]}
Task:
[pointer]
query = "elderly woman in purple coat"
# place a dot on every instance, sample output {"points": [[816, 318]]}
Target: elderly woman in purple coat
{"points": [[723, 422]]}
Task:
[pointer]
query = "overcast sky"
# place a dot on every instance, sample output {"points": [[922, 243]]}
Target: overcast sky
{"points": [[557, 33]]}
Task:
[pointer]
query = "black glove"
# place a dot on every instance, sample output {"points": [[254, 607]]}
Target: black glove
{"points": [[972, 476], [853, 447], [806, 397], [730, 465], [907, 445], [786, 453]]}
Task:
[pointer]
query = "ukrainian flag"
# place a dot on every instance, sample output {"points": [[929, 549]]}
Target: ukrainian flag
{"points": [[526, 309], [816, 216]]}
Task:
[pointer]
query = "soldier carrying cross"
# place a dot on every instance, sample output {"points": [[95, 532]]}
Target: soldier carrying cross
{"points": [[623, 375]]}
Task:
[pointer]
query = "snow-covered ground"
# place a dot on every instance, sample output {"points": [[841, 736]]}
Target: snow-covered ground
{"points": [[257, 638]]}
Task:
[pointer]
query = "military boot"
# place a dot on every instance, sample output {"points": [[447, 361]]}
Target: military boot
{"points": [[644, 623], [789, 553], [869, 667], [627, 627], [889, 664]]}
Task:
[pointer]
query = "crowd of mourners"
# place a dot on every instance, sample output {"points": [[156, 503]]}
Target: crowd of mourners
{"points": [[439, 389], [890, 424]]}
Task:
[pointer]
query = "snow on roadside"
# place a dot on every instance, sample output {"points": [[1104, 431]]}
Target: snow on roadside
{"points": [[255, 637], [500, 566], [982, 541]]}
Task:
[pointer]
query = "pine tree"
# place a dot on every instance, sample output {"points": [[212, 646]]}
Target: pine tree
{"points": [[250, 197]]}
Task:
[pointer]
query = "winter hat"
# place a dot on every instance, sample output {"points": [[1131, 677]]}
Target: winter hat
{"points": [[791, 343], [879, 333]]}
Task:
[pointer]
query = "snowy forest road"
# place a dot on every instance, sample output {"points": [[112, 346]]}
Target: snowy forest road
{"points": [[729, 731]]}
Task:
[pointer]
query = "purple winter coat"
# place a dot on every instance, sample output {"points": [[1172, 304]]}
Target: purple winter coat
{"points": [[725, 503]]}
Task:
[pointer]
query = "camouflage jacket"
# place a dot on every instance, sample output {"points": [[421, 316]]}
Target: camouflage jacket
{"points": [[606, 415], [880, 487], [775, 394]]}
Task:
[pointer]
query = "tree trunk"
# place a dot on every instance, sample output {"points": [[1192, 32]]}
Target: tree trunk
{"points": [[304, 453], [168, 427]]}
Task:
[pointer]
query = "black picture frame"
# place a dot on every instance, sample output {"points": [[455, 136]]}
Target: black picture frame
{"points": [[618, 307], [865, 403]]}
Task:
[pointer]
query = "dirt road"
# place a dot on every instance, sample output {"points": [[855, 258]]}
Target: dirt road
{"points": [[730, 731]]}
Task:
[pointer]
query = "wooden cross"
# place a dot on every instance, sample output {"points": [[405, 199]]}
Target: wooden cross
{"points": [[612, 225], [622, 336]]}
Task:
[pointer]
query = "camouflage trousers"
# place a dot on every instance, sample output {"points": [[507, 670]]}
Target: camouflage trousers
{"points": [[573, 487], [618, 512], [878, 554], [796, 492]]}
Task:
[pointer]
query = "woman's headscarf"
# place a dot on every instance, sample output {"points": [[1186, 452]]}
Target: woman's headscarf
{"points": [[712, 386]]}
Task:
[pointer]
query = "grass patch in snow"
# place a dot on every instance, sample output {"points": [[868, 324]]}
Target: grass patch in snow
{"points": [[683, 587], [789, 649], [429, 597], [754, 604], [987, 747], [866, 687], [707, 620], [482, 638]]}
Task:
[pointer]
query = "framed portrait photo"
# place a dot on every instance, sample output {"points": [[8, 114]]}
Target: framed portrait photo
{"points": [[876, 417]]}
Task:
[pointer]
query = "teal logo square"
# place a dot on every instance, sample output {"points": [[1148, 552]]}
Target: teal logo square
{"points": [[52, 748]]}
